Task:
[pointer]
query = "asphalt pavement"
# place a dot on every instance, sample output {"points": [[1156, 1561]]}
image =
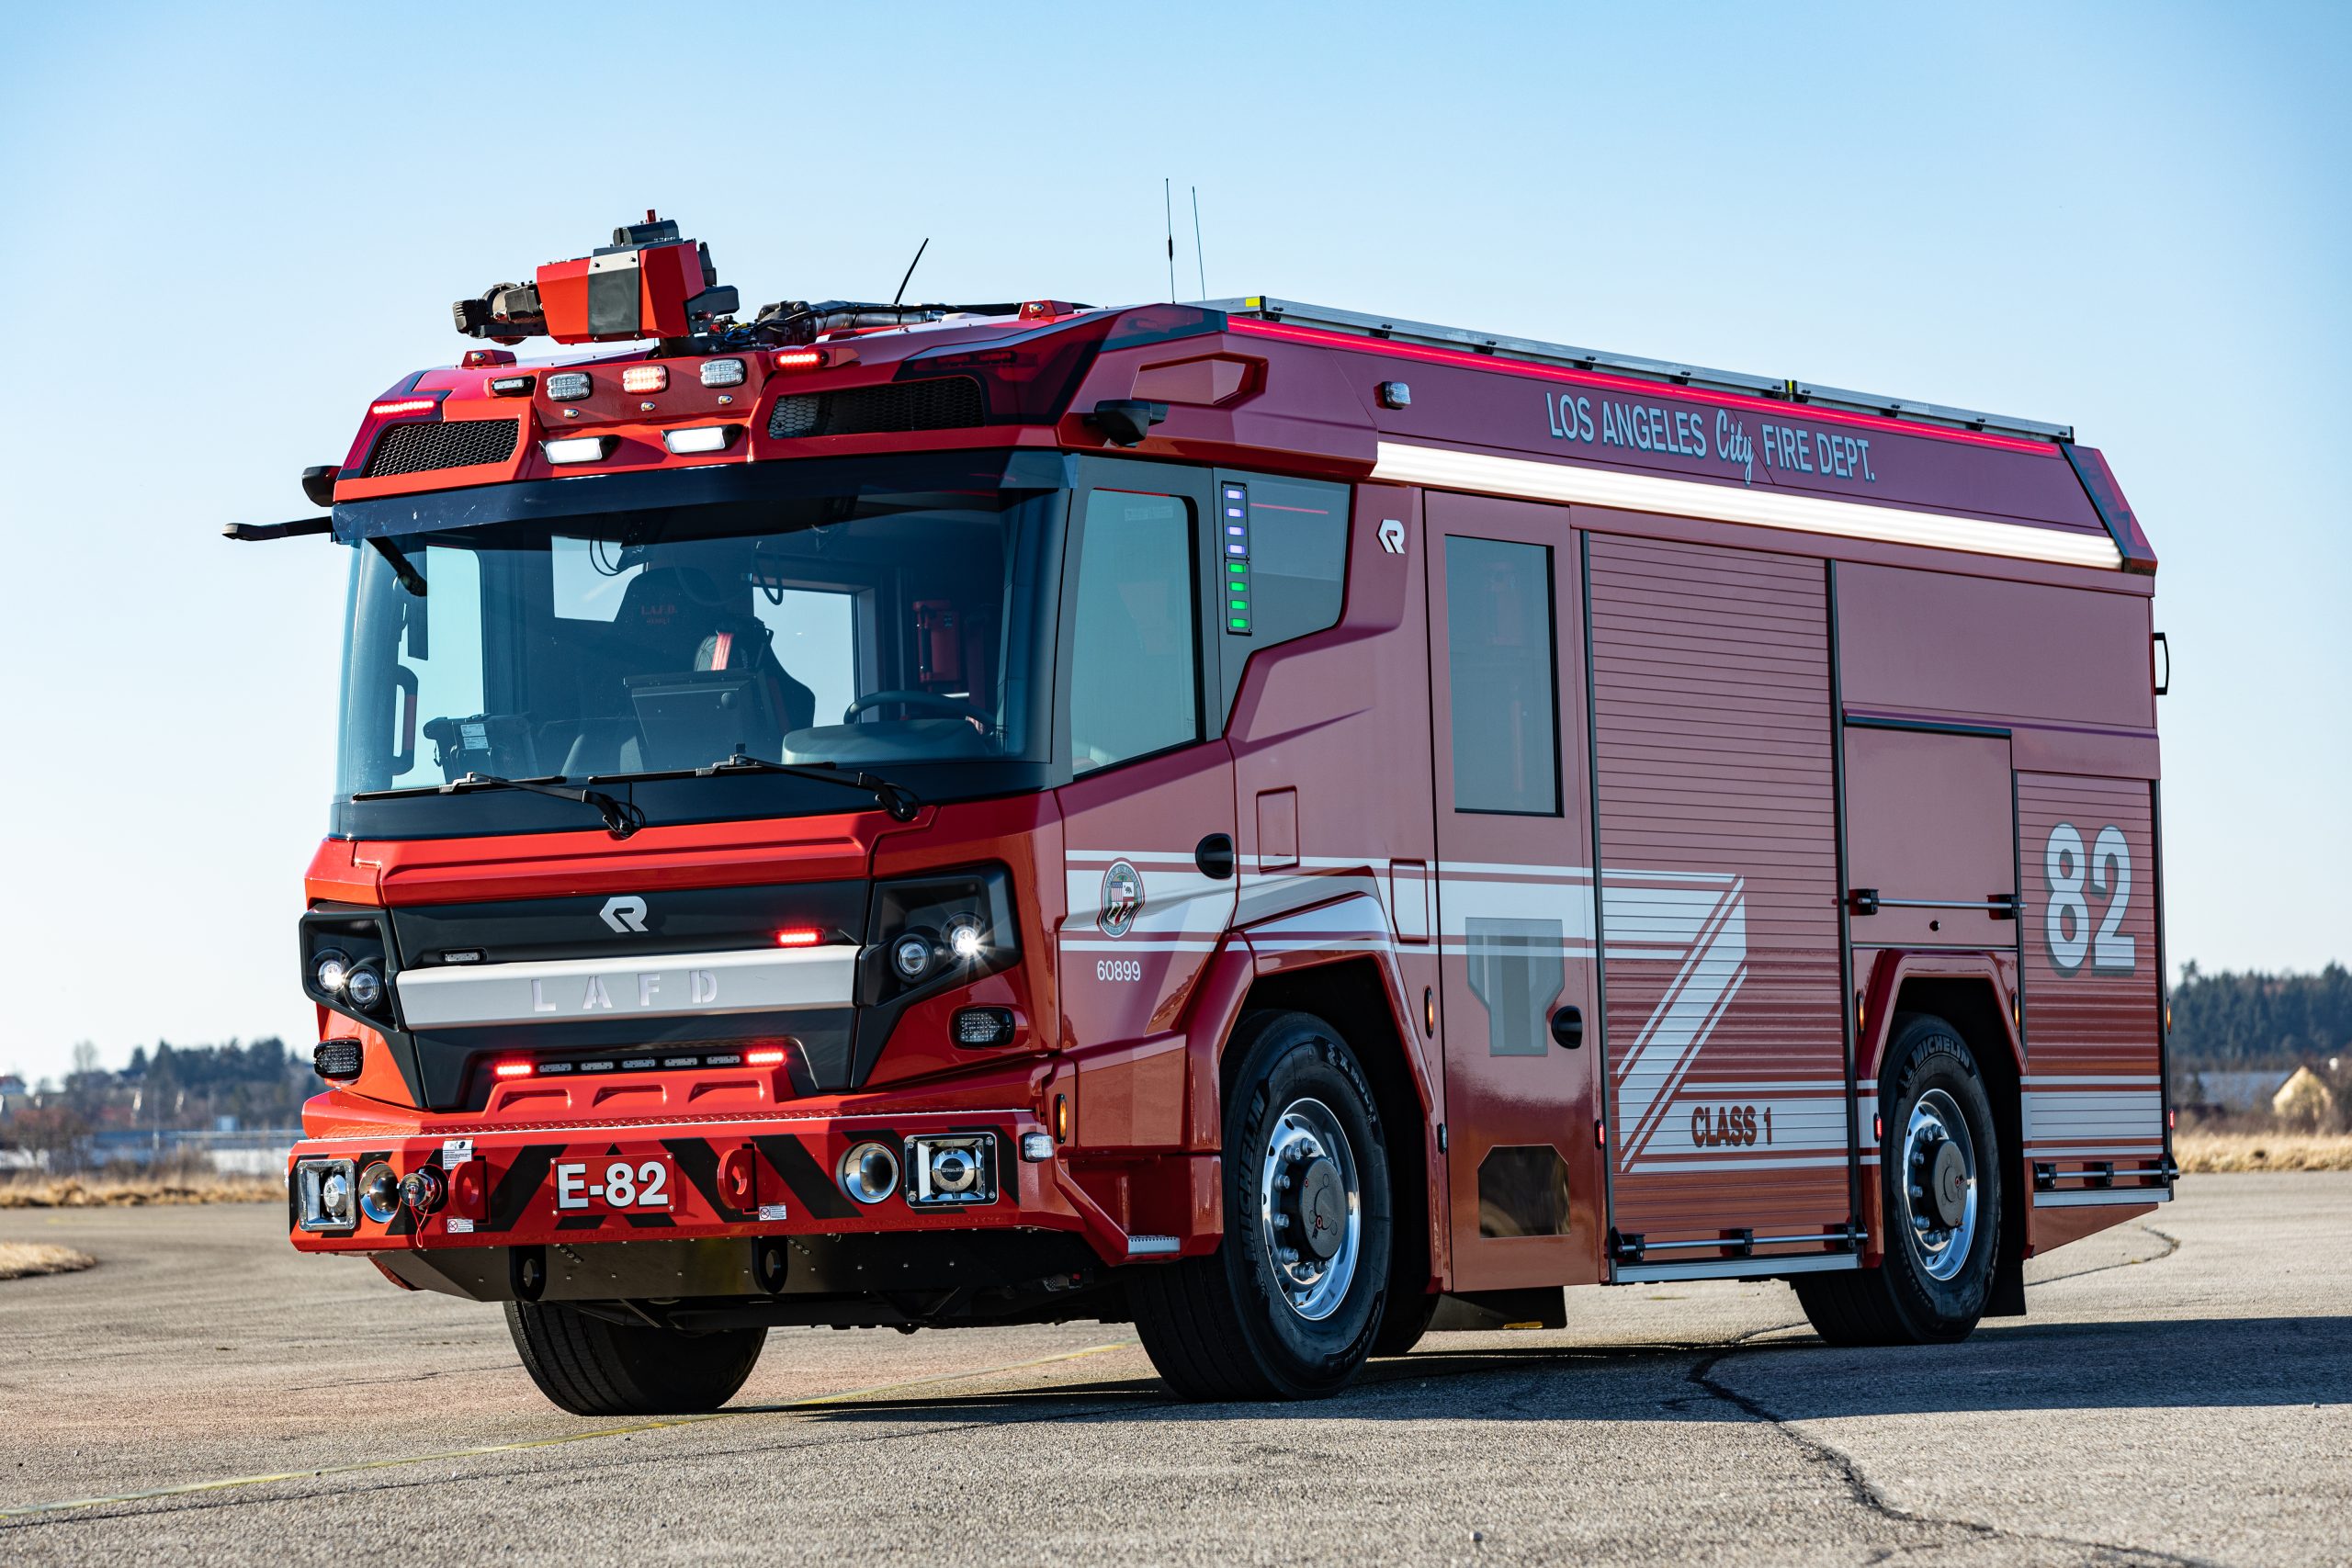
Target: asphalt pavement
{"points": [[2180, 1392]]}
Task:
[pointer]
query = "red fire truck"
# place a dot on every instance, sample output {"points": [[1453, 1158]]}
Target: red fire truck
{"points": [[1290, 828]]}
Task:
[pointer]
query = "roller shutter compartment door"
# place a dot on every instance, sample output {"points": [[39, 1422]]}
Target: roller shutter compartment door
{"points": [[1715, 793]]}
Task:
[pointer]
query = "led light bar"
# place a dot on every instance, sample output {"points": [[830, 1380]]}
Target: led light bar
{"points": [[569, 386], [701, 438], [645, 378], [397, 407], [579, 448], [722, 373], [1406, 463], [1233, 534]]}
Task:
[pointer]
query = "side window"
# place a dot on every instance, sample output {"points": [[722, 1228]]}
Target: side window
{"points": [[1284, 545], [1135, 653], [1502, 668]]}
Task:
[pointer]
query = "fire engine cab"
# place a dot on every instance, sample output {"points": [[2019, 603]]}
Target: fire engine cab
{"points": [[1289, 827]]}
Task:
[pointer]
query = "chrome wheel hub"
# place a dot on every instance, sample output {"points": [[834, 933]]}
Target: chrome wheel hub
{"points": [[1310, 1208], [1938, 1187]]}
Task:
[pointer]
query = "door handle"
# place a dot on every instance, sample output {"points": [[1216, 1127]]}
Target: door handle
{"points": [[1567, 1027], [1213, 855]]}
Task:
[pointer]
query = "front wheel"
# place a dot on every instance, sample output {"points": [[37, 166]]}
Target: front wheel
{"points": [[591, 1367], [1289, 1304], [1939, 1176]]}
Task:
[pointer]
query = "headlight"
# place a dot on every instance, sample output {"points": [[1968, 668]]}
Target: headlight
{"points": [[967, 937], [911, 956], [928, 932], [365, 987], [346, 963]]}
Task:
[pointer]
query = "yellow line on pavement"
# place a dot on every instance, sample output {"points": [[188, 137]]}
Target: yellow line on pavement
{"points": [[193, 1487]]}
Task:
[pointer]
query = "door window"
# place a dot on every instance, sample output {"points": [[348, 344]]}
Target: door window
{"points": [[1134, 654], [1504, 673]]}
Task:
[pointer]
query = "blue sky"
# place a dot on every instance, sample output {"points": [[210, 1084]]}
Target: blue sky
{"points": [[233, 225]]}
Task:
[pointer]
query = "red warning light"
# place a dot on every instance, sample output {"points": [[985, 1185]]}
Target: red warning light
{"points": [[513, 1069], [765, 1056], [799, 938], [800, 359]]}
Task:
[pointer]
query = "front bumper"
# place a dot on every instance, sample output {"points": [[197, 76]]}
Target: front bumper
{"points": [[772, 1173]]}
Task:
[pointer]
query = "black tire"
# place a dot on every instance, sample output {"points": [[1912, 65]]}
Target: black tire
{"points": [[591, 1367], [1220, 1327], [1905, 1301]]}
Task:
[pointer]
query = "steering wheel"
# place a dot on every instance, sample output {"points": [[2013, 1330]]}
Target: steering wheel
{"points": [[955, 707]]}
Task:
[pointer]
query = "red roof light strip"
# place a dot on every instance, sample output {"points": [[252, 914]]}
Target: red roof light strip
{"points": [[1317, 337]]}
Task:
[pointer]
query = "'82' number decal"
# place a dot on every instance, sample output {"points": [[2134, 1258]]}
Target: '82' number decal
{"points": [[2074, 876]]}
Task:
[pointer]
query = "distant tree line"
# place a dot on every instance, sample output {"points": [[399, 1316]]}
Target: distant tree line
{"points": [[2261, 1020], [169, 1089]]}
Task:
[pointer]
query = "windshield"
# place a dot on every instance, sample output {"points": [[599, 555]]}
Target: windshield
{"points": [[860, 630]]}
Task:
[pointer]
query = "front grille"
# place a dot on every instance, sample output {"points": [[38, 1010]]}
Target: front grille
{"points": [[452, 443], [940, 402]]}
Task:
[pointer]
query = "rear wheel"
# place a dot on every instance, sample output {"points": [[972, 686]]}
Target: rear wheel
{"points": [[1939, 1189], [591, 1367], [1289, 1304]]}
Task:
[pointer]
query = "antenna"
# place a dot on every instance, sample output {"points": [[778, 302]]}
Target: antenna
{"points": [[1168, 210], [1197, 259], [911, 270]]}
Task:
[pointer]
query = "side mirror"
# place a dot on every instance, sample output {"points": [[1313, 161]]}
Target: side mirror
{"points": [[1125, 420]]}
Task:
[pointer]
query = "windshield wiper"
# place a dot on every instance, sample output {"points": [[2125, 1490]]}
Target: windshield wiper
{"points": [[900, 802], [621, 818]]}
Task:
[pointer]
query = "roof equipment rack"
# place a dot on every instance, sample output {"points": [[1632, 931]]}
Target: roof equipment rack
{"points": [[1265, 308]]}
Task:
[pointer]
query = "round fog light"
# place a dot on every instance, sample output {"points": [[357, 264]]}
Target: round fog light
{"points": [[870, 1172], [333, 970], [379, 1192], [365, 987]]}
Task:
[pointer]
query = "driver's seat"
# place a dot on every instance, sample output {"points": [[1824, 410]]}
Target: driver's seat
{"points": [[742, 642]]}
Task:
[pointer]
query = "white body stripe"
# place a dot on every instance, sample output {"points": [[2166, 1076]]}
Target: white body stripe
{"points": [[1405, 463], [2102, 1196], [2084, 1117]]}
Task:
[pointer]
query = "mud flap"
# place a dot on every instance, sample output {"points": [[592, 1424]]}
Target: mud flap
{"points": [[2008, 1296]]}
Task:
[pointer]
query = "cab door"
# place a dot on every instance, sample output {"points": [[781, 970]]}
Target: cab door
{"points": [[1515, 893], [1148, 784]]}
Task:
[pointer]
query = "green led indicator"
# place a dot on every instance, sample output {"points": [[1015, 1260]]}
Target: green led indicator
{"points": [[1238, 625], [1237, 605]]}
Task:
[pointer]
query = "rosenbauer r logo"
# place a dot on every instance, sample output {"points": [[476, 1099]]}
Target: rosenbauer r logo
{"points": [[625, 914]]}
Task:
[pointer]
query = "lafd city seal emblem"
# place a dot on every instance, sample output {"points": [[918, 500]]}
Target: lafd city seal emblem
{"points": [[1122, 897]]}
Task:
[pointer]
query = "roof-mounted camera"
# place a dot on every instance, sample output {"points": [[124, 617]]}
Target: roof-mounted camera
{"points": [[649, 283]]}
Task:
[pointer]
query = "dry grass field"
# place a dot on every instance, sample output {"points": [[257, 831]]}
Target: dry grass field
{"points": [[21, 1259], [38, 1191], [2209, 1152]]}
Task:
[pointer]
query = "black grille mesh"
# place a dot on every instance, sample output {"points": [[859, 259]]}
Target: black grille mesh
{"points": [[453, 444], [941, 402]]}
